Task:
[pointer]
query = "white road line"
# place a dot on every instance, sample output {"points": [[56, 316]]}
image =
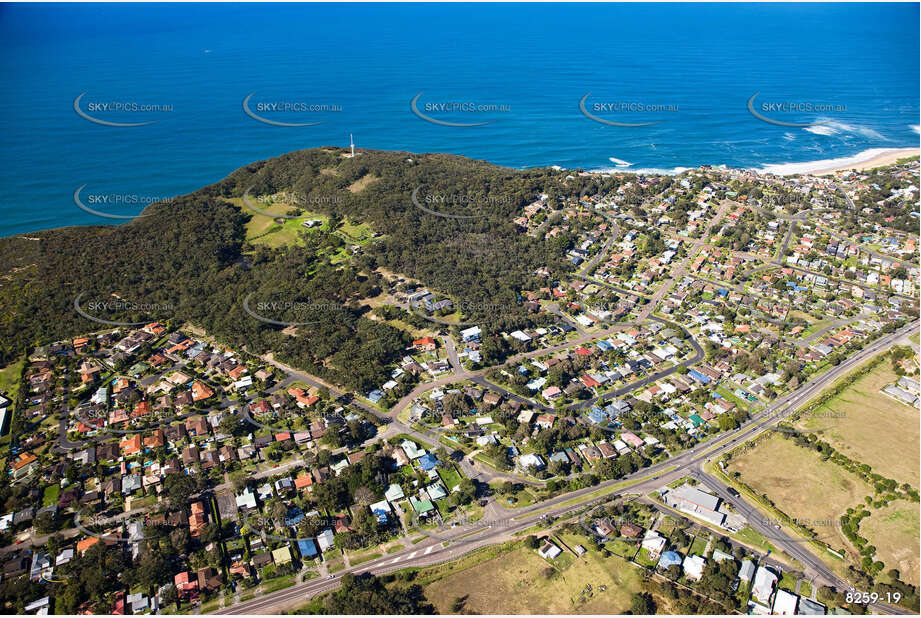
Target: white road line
{"points": [[410, 556], [429, 550], [395, 560]]}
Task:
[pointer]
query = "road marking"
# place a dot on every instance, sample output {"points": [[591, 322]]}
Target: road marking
{"points": [[395, 560], [410, 556], [429, 550]]}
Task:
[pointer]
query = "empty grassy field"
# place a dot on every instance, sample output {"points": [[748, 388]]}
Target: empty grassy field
{"points": [[799, 483], [516, 582], [893, 530], [871, 427]]}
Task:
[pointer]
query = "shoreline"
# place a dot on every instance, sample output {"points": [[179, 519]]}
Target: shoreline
{"points": [[868, 159]]}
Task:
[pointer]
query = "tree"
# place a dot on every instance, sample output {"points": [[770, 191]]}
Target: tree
{"points": [[642, 604], [170, 595], [363, 496], [238, 480], [232, 425], [152, 570], [179, 488]]}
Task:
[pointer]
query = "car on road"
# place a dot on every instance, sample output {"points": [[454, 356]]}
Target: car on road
{"points": [[733, 491]]}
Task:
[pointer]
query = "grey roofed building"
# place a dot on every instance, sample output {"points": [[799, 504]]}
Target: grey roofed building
{"points": [[325, 539], [909, 384], [902, 395], [808, 607], [51, 508], [131, 483], [747, 570], [695, 496], [23, 516], [694, 502], [226, 505]]}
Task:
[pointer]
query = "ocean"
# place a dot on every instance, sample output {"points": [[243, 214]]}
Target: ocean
{"points": [[625, 87]]}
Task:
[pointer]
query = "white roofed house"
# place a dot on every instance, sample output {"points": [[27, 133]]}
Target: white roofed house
{"points": [[694, 567], [764, 583], [747, 570], [549, 551], [531, 459], [470, 334], [653, 543], [785, 603], [325, 539]]}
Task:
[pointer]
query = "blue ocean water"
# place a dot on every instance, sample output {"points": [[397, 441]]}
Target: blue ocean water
{"points": [[522, 69]]}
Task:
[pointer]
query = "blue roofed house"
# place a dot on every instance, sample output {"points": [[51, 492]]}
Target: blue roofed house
{"points": [[307, 548], [559, 457], [375, 395], [597, 416], [381, 510], [294, 516], [428, 461]]}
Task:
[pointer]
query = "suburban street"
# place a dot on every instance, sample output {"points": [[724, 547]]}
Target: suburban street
{"points": [[688, 463]]}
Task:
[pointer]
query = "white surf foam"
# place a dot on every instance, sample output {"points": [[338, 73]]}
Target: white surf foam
{"points": [[805, 167]]}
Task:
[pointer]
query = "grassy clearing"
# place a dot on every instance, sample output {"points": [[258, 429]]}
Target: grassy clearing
{"points": [[521, 582], [353, 560], [798, 482], [805, 589], [51, 495], [9, 378], [872, 428], [265, 230], [356, 233], [893, 530], [279, 583], [362, 183], [603, 491]]}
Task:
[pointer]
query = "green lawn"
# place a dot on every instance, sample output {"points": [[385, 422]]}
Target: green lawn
{"points": [[9, 378], [805, 588], [279, 583], [787, 581], [698, 546], [51, 495], [643, 558], [449, 476]]}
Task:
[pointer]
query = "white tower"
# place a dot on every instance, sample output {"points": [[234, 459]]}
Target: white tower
{"points": [[352, 144]]}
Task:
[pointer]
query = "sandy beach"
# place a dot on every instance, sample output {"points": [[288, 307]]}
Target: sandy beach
{"points": [[863, 161]]}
